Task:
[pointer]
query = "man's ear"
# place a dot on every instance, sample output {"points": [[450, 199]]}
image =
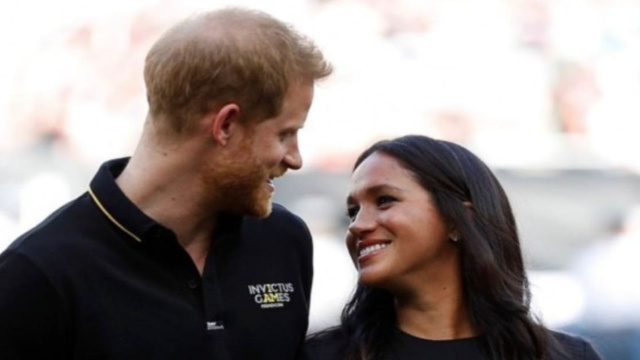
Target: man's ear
{"points": [[223, 123]]}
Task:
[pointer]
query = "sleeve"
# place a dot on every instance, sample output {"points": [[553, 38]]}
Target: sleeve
{"points": [[307, 353], [31, 325], [307, 281], [590, 353]]}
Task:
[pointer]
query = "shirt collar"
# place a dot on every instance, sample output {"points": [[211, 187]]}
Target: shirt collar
{"points": [[124, 214], [115, 205]]}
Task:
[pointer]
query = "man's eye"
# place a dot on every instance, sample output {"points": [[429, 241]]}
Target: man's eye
{"points": [[287, 135]]}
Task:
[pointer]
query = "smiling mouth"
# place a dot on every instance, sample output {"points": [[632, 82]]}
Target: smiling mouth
{"points": [[272, 177], [367, 250], [269, 182]]}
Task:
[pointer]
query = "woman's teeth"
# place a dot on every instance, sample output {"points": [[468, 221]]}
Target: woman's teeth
{"points": [[371, 248]]}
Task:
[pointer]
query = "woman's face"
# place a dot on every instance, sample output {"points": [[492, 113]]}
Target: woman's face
{"points": [[397, 236]]}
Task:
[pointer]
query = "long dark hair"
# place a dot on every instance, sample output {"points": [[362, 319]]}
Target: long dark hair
{"points": [[494, 278]]}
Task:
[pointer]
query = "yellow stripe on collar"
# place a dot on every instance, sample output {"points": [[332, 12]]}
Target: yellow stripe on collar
{"points": [[113, 220]]}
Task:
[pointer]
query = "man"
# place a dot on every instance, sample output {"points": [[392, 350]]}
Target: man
{"points": [[177, 252]]}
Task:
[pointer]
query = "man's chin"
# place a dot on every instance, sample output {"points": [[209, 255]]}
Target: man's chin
{"points": [[257, 204], [264, 209]]}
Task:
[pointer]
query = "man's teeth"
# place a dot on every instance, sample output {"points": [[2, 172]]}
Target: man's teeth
{"points": [[372, 248]]}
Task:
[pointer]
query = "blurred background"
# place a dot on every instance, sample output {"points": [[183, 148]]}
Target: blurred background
{"points": [[547, 92]]}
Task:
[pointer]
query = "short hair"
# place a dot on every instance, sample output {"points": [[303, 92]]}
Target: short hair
{"points": [[228, 55]]}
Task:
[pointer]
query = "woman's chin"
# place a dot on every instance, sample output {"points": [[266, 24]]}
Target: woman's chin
{"points": [[372, 277]]}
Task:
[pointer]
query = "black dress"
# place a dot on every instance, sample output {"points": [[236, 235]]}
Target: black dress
{"points": [[406, 347]]}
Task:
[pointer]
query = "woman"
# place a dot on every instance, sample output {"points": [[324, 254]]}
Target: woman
{"points": [[440, 268]]}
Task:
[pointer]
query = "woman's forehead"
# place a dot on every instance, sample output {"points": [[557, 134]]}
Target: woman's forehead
{"points": [[379, 172]]}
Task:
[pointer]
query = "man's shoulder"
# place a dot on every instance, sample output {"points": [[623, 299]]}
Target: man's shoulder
{"points": [[280, 230], [282, 219], [48, 238], [279, 210]]}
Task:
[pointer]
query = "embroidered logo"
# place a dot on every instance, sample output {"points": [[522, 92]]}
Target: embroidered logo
{"points": [[271, 295], [215, 325]]}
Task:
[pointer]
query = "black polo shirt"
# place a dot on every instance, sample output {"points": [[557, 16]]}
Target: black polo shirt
{"points": [[99, 279]]}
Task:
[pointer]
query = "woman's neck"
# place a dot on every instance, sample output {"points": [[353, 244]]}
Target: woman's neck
{"points": [[438, 311]]}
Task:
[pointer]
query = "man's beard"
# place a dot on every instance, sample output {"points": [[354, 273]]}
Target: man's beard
{"points": [[238, 185]]}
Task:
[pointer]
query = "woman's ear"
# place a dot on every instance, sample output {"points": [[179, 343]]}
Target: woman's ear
{"points": [[454, 235]]}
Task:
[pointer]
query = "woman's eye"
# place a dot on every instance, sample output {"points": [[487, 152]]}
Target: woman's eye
{"points": [[383, 200], [352, 212]]}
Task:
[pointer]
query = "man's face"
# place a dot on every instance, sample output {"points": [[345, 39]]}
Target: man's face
{"points": [[266, 151]]}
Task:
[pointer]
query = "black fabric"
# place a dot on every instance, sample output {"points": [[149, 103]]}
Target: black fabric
{"points": [[81, 286], [572, 347], [408, 347], [331, 346]]}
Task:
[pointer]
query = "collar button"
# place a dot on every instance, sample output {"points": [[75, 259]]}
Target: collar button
{"points": [[193, 284]]}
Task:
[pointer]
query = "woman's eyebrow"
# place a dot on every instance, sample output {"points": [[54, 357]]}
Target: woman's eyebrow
{"points": [[373, 190]]}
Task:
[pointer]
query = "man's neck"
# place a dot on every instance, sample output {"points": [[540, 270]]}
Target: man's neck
{"points": [[166, 187]]}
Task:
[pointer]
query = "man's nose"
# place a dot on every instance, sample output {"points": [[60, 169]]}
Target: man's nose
{"points": [[293, 159]]}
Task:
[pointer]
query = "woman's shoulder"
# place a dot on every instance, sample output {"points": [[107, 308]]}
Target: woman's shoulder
{"points": [[572, 347], [326, 345]]}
